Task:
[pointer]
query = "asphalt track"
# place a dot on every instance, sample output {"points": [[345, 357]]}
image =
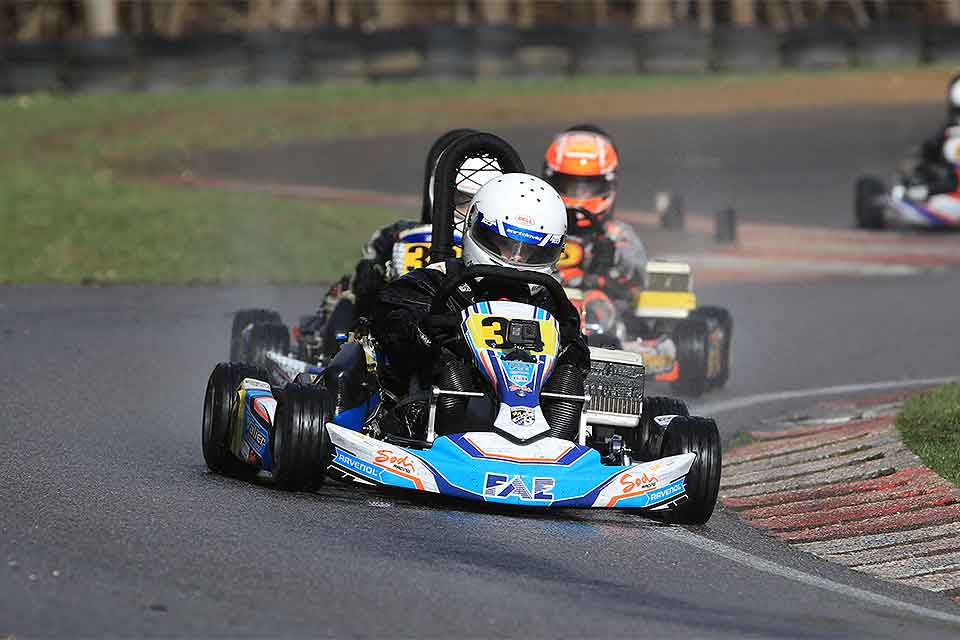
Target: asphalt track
{"points": [[110, 523], [794, 167]]}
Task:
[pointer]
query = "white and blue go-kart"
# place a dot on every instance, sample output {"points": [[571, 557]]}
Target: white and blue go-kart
{"points": [[500, 427], [908, 204]]}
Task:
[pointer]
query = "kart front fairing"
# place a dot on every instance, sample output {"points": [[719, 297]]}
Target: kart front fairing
{"points": [[515, 346], [488, 467]]}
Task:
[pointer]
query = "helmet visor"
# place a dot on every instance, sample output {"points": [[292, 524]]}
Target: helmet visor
{"points": [[581, 187], [520, 247]]}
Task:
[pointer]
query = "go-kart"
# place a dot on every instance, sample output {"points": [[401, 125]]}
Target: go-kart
{"points": [[681, 343], [260, 337], [497, 422], [499, 428], [911, 202]]}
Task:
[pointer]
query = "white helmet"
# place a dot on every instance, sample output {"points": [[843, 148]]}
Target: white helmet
{"points": [[517, 220], [953, 100]]}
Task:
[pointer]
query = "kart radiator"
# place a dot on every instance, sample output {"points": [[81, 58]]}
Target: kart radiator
{"points": [[615, 387]]}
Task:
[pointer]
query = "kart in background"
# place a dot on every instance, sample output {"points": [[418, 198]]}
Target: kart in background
{"points": [[908, 204], [682, 344]]}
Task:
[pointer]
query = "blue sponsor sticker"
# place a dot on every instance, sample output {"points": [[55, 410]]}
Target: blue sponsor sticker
{"points": [[356, 465], [671, 490]]}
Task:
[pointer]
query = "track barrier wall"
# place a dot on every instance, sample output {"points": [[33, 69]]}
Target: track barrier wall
{"points": [[280, 57]]}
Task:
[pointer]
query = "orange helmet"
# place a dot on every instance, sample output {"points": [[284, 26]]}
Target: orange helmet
{"points": [[581, 164]]}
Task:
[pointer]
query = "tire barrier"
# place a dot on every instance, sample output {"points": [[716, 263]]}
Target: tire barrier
{"points": [[680, 49], [744, 49], [105, 64], [441, 53], [943, 44], [818, 46], [32, 67], [609, 50], [890, 43]]}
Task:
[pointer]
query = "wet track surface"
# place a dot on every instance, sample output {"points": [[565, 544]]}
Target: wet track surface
{"points": [[103, 480]]}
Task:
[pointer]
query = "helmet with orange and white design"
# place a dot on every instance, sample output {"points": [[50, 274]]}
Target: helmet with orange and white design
{"points": [[581, 164]]}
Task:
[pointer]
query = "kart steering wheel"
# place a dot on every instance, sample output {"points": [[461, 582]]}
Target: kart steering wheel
{"points": [[471, 277]]}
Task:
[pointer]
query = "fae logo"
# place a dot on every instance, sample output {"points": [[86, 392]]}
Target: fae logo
{"points": [[496, 485]]}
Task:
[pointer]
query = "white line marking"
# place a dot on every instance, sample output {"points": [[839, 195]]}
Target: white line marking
{"points": [[766, 566], [733, 404]]}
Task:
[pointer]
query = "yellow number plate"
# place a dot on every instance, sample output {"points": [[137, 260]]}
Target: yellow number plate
{"points": [[417, 255]]}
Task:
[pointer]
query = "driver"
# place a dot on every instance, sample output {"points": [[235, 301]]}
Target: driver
{"points": [[937, 171], [581, 164], [516, 220]]}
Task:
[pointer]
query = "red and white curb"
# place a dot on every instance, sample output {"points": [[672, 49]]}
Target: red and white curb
{"points": [[846, 489]]}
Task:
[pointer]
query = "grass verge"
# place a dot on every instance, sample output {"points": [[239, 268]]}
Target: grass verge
{"points": [[930, 426], [75, 208]]}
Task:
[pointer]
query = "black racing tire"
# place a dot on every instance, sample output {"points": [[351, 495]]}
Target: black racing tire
{"points": [[342, 319], [718, 318], [700, 436], [868, 212], [243, 319], [648, 438], [691, 342], [262, 337], [218, 404], [301, 444]]}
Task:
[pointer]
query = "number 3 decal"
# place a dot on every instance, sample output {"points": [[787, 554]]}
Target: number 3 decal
{"points": [[498, 336]]}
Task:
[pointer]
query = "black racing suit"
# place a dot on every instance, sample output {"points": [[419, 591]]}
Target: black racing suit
{"points": [[401, 329], [370, 276]]}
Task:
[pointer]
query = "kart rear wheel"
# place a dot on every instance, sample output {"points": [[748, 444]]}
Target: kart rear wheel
{"points": [[243, 319], [649, 435], [263, 337], [868, 211], [691, 340], [218, 405], [301, 444], [718, 318], [700, 436]]}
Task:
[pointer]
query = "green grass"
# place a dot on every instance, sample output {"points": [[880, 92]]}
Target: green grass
{"points": [[76, 203], [740, 439], [930, 425]]}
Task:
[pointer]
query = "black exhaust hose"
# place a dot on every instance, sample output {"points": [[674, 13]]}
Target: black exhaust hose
{"points": [[563, 416], [452, 410], [441, 143], [445, 184]]}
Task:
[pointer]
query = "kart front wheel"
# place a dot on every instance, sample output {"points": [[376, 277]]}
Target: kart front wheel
{"points": [[301, 444], [868, 205], [700, 436], [243, 319], [649, 434], [218, 406]]}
